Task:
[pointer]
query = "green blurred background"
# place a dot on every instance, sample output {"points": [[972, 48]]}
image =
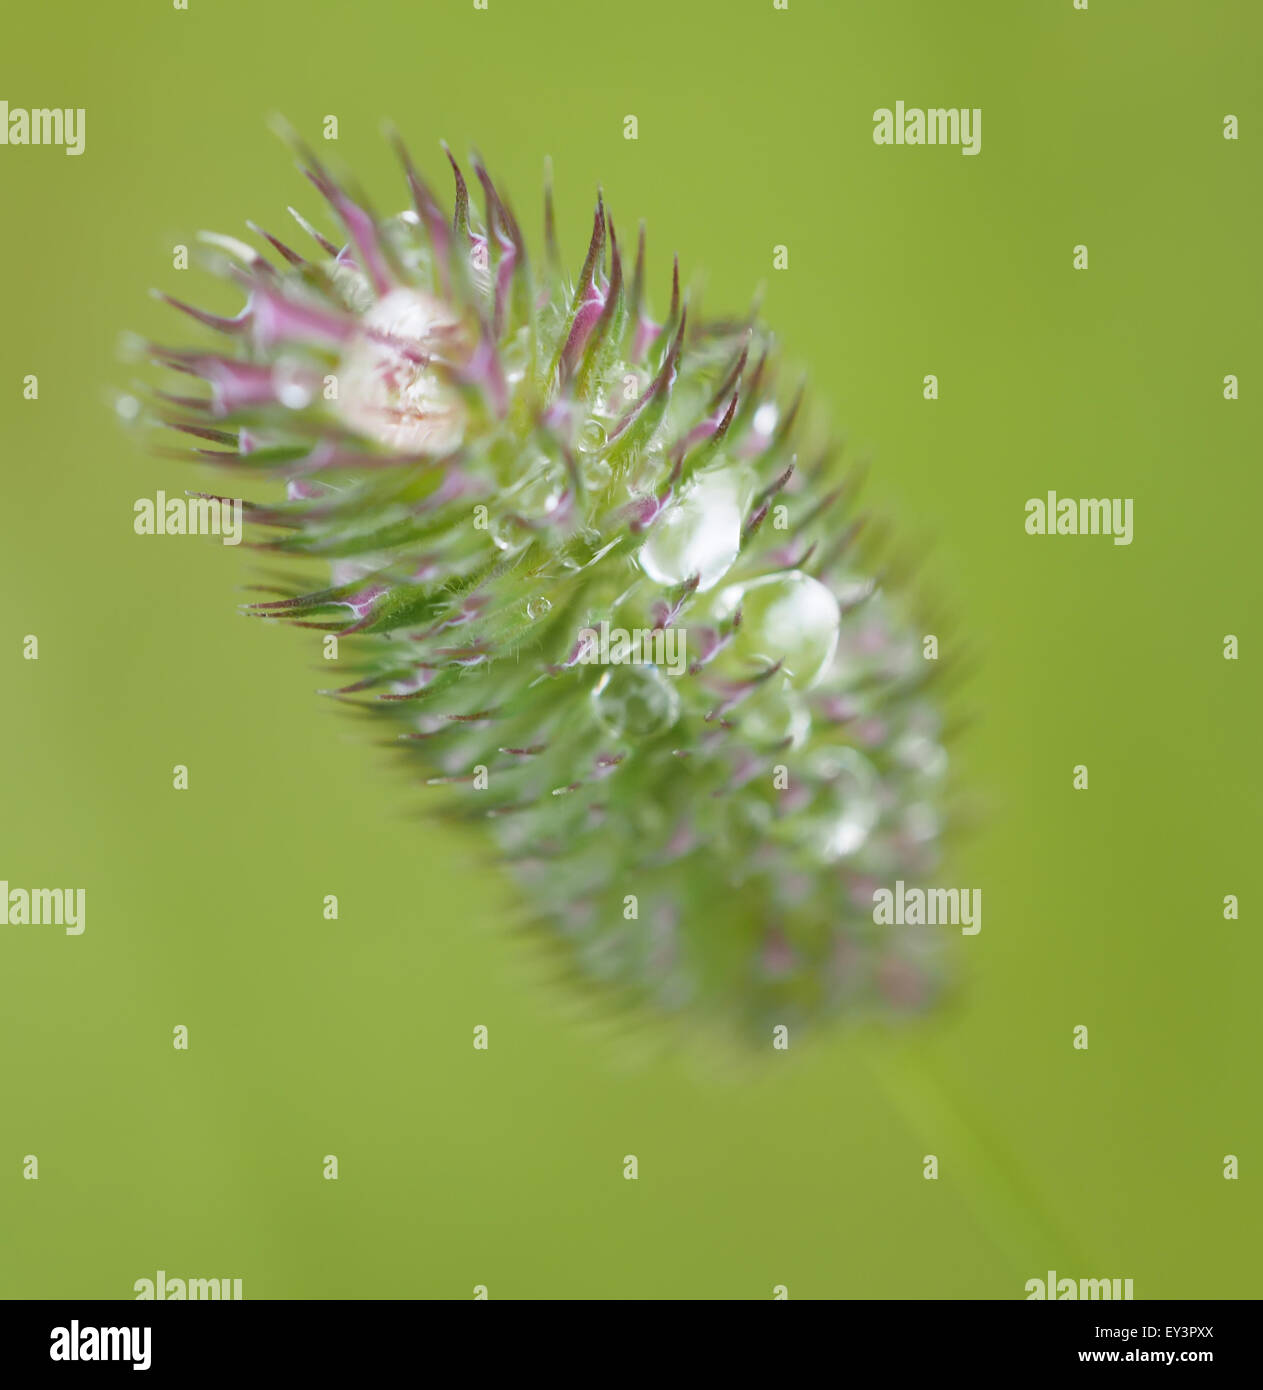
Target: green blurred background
{"points": [[353, 1038]]}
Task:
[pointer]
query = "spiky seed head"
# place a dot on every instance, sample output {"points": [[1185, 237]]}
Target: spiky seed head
{"points": [[494, 464]]}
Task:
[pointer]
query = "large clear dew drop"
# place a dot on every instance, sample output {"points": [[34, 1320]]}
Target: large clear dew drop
{"points": [[699, 535], [635, 702], [788, 618]]}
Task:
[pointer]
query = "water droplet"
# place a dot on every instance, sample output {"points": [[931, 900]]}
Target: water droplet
{"points": [[293, 385], [534, 498], [591, 437], [775, 713], [791, 618], [597, 473], [700, 535], [515, 356], [852, 589], [852, 796], [920, 754], [305, 490], [352, 287], [635, 702], [538, 607]]}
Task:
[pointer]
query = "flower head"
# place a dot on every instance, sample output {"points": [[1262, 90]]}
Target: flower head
{"points": [[490, 462]]}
